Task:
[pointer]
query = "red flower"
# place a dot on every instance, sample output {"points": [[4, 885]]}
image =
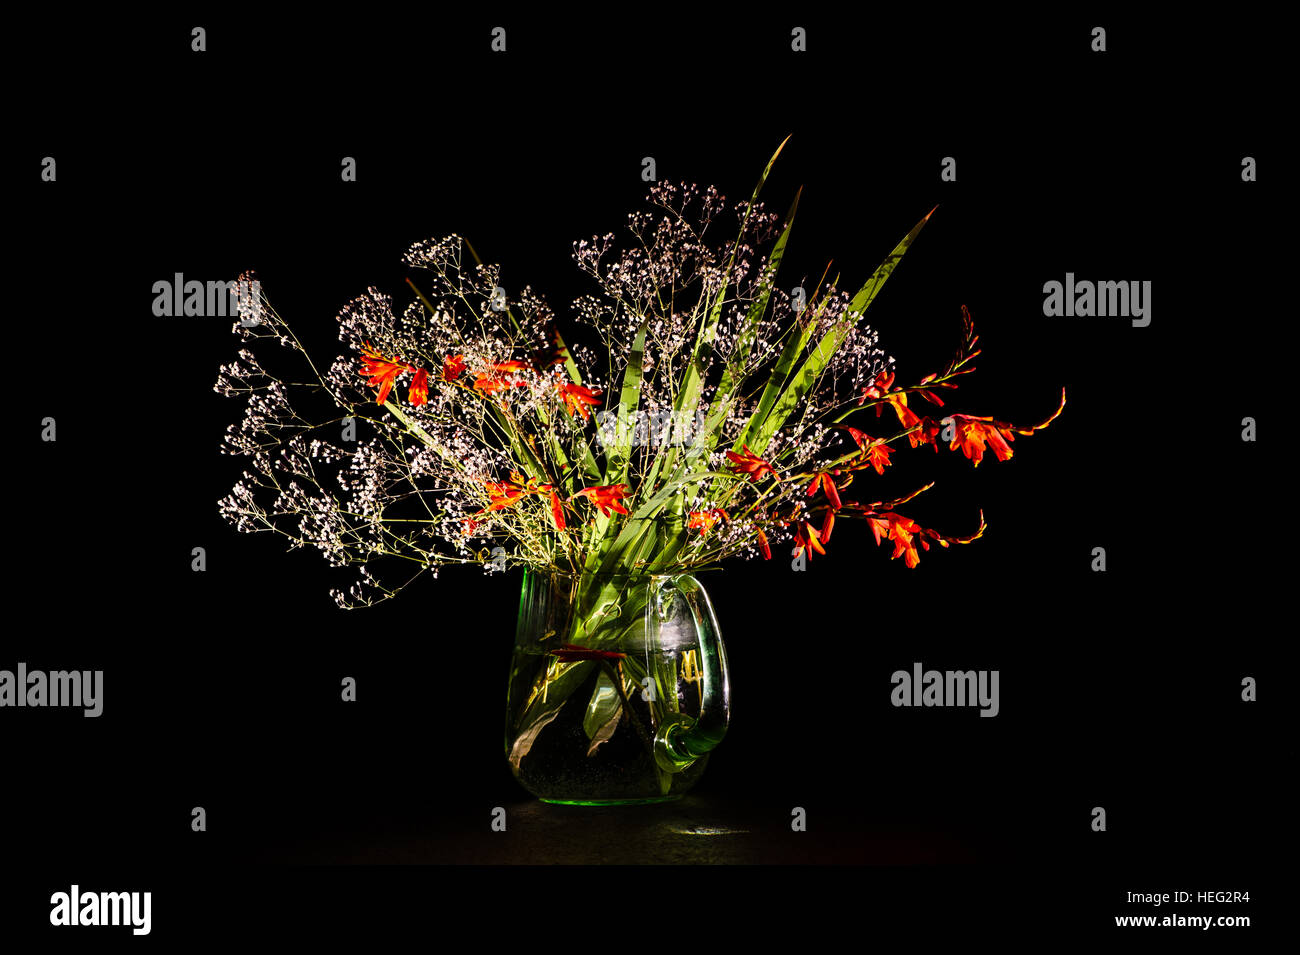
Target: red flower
{"points": [[929, 430], [571, 653], [381, 371], [704, 520], [878, 456], [970, 434], [502, 494], [884, 381], [906, 416], [490, 384], [828, 524], [419, 392], [452, 367], [577, 398], [606, 497], [762, 545], [883, 388], [826, 483], [557, 510], [875, 453], [901, 531], [751, 464], [806, 539]]}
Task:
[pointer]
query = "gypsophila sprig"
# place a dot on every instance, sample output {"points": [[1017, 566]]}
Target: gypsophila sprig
{"points": [[709, 422]]}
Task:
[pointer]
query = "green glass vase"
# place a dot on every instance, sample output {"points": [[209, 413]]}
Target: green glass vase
{"points": [[618, 687]]}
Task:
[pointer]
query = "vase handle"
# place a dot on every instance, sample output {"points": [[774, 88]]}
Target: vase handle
{"points": [[682, 739]]}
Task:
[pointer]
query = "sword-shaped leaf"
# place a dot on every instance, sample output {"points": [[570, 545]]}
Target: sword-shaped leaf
{"points": [[816, 362]]}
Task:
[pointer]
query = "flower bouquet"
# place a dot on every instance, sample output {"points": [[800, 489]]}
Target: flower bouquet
{"points": [[707, 416]]}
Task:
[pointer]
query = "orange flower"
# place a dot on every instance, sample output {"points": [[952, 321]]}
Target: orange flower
{"points": [[929, 430], [970, 434], [704, 520], [806, 539], [878, 456], [489, 386], [763, 546], [875, 454], [419, 392], [751, 464], [502, 494], [577, 398], [606, 497], [828, 524], [452, 367], [826, 483], [884, 381], [500, 378], [883, 388], [557, 510], [906, 416], [902, 531], [571, 653], [381, 371], [860, 438]]}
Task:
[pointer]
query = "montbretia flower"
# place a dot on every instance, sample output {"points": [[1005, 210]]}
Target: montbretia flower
{"points": [[970, 434], [875, 453], [383, 372], [882, 389], [500, 376], [975, 435], [704, 520], [503, 494], [557, 510], [806, 539], [930, 396], [606, 497], [490, 385], [906, 416], [419, 391], [928, 429], [577, 398], [826, 483], [763, 545], [750, 463], [453, 366], [882, 383], [902, 531]]}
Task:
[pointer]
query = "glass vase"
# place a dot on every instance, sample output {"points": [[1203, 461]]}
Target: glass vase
{"points": [[618, 687]]}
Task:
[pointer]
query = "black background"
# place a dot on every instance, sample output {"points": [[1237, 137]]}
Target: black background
{"points": [[1119, 689]]}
